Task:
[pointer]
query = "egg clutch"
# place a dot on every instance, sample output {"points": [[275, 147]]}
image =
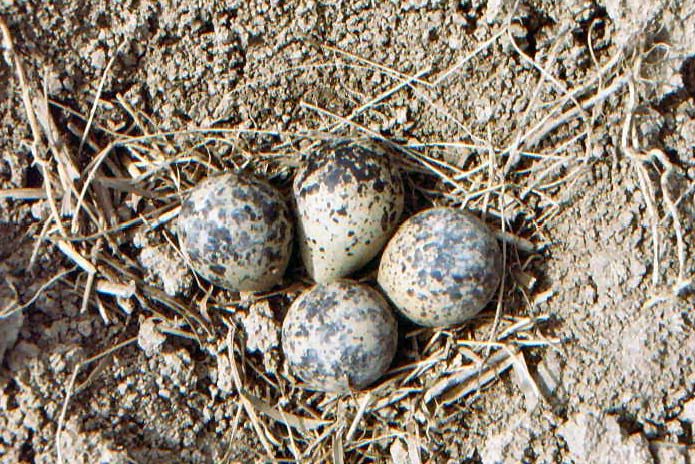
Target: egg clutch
{"points": [[441, 267]]}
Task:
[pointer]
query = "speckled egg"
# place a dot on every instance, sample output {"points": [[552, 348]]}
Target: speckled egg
{"points": [[339, 336], [236, 231], [349, 198], [441, 267]]}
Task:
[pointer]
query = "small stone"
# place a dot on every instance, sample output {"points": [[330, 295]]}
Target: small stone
{"points": [[150, 339]]}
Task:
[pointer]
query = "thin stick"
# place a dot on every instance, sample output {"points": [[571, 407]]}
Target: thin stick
{"points": [[514, 155], [375, 65], [63, 413], [500, 295], [548, 76], [69, 250], [460, 382], [672, 210], [100, 88], [378, 136], [631, 152], [468, 57], [364, 404], [376, 100], [37, 244], [90, 277], [255, 421], [13, 307], [26, 98], [90, 177], [23, 193], [547, 125], [33, 122]]}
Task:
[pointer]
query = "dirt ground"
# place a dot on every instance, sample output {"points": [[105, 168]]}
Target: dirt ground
{"points": [[567, 126]]}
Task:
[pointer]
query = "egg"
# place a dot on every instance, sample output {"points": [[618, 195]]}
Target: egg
{"points": [[236, 231], [339, 336], [441, 268], [349, 199]]}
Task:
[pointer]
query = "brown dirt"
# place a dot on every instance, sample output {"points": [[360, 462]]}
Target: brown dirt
{"points": [[200, 378]]}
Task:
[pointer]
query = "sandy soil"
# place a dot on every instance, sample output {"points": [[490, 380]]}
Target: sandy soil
{"points": [[569, 127]]}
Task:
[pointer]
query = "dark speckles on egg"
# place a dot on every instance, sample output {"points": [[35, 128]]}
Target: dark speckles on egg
{"points": [[236, 231], [339, 336], [349, 198], [441, 267], [217, 270], [380, 186]]}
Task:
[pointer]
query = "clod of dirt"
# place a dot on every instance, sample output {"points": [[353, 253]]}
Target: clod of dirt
{"points": [[688, 412], [507, 446], [669, 454], [223, 375], [597, 438], [150, 339], [88, 447], [163, 264], [9, 330], [400, 454], [631, 17], [262, 331], [177, 374]]}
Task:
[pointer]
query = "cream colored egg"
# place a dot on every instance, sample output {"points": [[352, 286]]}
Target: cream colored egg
{"points": [[339, 336], [349, 198], [441, 267], [236, 231]]}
